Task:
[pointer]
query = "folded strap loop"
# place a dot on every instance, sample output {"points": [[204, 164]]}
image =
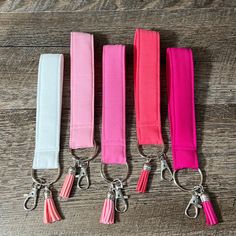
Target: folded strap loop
{"points": [[113, 116], [48, 117], [147, 86], [180, 79], [82, 91]]}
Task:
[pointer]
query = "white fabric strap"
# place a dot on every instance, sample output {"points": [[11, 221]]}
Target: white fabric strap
{"points": [[48, 117]]}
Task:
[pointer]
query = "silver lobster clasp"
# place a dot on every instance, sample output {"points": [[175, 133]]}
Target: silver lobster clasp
{"points": [[194, 202], [120, 199], [165, 169], [32, 195], [83, 175]]}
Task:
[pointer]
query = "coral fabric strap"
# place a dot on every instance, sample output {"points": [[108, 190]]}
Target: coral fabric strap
{"points": [[147, 86], [82, 91], [48, 118], [180, 80], [113, 117]]}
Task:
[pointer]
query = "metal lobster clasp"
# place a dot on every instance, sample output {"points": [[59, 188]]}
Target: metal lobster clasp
{"points": [[32, 196], [121, 204], [194, 202], [83, 176], [165, 169]]}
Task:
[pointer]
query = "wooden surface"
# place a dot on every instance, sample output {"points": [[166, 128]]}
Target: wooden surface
{"points": [[29, 28]]}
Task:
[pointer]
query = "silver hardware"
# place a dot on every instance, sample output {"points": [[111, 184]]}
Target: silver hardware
{"points": [[83, 174], [175, 178], [32, 195], [111, 195], [121, 204], [147, 166], [42, 181], [165, 169], [116, 185], [110, 180], [194, 202], [83, 164], [197, 191], [85, 159], [204, 197], [47, 192], [149, 158], [38, 183], [72, 170]]}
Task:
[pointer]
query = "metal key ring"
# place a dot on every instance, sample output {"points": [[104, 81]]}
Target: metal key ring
{"points": [[91, 157], [149, 157], [41, 181], [110, 180], [175, 178]]}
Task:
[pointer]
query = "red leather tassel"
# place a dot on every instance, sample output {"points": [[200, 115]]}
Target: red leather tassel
{"points": [[68, 183], [143, 178], [108, 211], [50, 212], [211, 218]]}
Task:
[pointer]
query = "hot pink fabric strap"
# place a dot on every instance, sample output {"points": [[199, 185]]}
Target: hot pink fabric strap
{"points": [[113, 116], [180, 81], [147, 86], [82, 91]]}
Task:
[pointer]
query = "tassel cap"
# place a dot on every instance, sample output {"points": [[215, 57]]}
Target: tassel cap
{"points": [[204, 197], [147, 167]]}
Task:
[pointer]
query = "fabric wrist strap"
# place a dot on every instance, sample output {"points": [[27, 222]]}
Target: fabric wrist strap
{"points": [[113, 116], [180, 86], [48, 117], [82, 91], [147, 86]]}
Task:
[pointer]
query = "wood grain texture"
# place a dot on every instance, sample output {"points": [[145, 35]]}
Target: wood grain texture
{"points": [[108, 5], [29, 28]]}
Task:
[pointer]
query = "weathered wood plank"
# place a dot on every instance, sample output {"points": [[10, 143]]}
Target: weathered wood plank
{"points": [[101, 5], [130, 223], [107, 5], [183, 27]]}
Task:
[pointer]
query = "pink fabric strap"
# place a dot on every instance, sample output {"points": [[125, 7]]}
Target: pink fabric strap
{"points": [[180, 86], [113, 116], [82, 91], [147, 86]]}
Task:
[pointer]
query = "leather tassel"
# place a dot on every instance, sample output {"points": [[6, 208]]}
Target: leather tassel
{"points": [[50, 212], [143, 178], [67, 185], [211, 218], [108, 211]]}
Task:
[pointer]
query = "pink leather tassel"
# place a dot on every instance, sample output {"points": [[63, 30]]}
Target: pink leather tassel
{"points": [[68, 183], [143, 178], [211, 218], [108, 211], [50, 211]]}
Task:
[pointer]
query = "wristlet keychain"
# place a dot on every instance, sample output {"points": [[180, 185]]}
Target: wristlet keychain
{"points": [[180, 78], [113, 129], [47, 140], [147, 102], [82, 110]]}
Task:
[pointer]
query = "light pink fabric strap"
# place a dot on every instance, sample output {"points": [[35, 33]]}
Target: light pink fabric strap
{"points": [[180, 80], [82, 91], [113, 116]]}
